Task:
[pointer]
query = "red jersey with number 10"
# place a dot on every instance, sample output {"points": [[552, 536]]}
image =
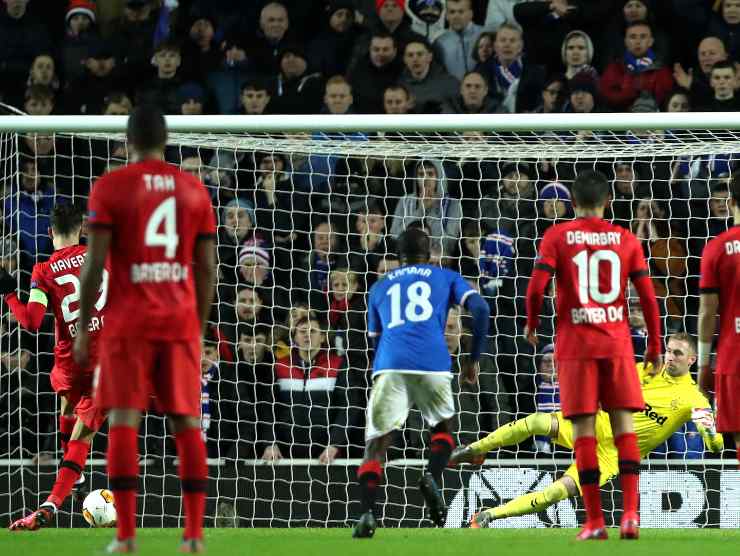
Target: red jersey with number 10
{"points": [[59, 279], [155, 213], [592, 261], [720, 274]]}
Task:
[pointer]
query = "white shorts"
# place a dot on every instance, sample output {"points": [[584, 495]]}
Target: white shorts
{"points": [[395, 393]]}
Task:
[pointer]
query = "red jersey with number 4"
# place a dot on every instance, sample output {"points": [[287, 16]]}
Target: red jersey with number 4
{"points": [[59, 279], [592, 261], [720, 274], [155, 213]]}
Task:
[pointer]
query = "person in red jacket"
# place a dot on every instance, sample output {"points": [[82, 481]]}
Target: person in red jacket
{"points": [[638, 72]]}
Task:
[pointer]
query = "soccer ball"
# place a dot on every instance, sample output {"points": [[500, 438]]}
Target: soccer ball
{"points": [[98, 508]]}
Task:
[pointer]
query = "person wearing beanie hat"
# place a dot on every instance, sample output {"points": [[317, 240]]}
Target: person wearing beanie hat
{"points": [[330, 51], [644, 103], [555, 201], [583, 95], [380, 4], [254, 263], [191, 97], [80, 16]]}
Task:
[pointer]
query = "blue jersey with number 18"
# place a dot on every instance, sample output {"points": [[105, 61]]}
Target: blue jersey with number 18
{"points": [[408, 311]]}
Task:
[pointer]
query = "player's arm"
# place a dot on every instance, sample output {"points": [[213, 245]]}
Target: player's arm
{"points": [[481, 313], [708, 305], [644, 285], [703, 418], [204, 274], [29, 315], [544, 268]]}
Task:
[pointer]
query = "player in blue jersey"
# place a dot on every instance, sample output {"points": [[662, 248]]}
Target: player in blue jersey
{"points": [[407, 312]]}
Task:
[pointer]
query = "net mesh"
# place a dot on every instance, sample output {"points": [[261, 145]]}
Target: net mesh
{"points": [[306, 224]]}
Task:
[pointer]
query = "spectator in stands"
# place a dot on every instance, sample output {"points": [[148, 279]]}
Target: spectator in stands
{"points": [[611, 43], [311, 271], [338, 97], [397, 99], [627, 188], [429, 83], [249, 307], [678, 100], [330, 51], [473, 97], [638, 328], [513, 210], [43, 72], [483, 49], [456, 44], [499, 12], [202, 49], [430, 203], [117, 104], [133, 37], [511, 76], [273, 35], [162, 90], [373, 73], [100, 76], [711, 50], [255, 97], [640, 71], [237, 222], [191, 97], [722, 79], [22, 38], [389, 17], [283, 330], [554, 205], [666, 254], [547, 398], [553, 96], [208, 376], [584, 97], [347, 309], [27, 214], [81, 34], [255, 265], [370, 243], [725, 25], [577, 53], [39, 100], [297, 91], [311, 399]]}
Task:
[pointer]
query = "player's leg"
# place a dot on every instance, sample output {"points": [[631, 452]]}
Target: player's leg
{"points": [[177, 388], [191, 450], [727, 392], [70, 470], [387, 410], [511, 434], [530, 503], [67, 421], [123, 469], [621, 396]]}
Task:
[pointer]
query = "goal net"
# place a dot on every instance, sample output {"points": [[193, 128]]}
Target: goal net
{"points": [[307, 221]]}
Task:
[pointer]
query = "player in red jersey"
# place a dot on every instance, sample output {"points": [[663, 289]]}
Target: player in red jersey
{"points": [[592, 261], [720, 283], [156, 225], [55, 283]]}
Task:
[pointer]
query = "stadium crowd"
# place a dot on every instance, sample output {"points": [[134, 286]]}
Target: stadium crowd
{"points": [[302, 238]]}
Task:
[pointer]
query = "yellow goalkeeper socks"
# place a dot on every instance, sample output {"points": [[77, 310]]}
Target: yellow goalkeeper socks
{"points": [[533, 502], [514, 432]]}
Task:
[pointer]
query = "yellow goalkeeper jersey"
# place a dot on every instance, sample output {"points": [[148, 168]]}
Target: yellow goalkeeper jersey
{"points": [[669, 402]]}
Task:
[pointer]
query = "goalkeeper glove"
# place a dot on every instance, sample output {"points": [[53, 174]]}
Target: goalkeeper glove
{"points": [[704, 417], [7, 282]]}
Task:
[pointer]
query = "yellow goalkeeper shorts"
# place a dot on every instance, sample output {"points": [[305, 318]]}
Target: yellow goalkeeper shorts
{"points": [[605, 449]]}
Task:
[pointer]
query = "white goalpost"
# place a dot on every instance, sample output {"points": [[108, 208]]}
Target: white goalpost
{"points": [[307, 209]]}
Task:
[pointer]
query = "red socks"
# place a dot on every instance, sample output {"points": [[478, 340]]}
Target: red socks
{"points": [[69, 471], [123, 471], [66, 425], [588, 475], [629, 470], [441, 447], [368, 475], [194, 477]]}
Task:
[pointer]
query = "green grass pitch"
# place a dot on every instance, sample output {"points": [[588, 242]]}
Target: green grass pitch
{"points": [[387, 542]]}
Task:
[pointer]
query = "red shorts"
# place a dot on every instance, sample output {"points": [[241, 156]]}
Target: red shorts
{"points": [[133, 370], [587, 385], [727, 392], [77, 388]]}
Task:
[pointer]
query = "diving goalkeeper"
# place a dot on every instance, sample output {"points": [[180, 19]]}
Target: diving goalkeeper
{"points": [[671, 399]]}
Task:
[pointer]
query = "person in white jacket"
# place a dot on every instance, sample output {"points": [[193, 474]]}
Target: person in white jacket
{"points": [[430, 204]]}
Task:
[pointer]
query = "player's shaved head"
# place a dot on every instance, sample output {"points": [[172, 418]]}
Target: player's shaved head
{"points": [[413, 246], [590, 189], [147, 129], [66, 220]]}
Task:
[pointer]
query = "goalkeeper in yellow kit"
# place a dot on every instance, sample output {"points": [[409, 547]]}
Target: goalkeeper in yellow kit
{"points": [[671, 399]]}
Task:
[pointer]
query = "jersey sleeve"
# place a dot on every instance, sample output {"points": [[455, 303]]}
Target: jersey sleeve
{"points": [[547, 253], [99, 213], [709, 280], [374, 324], [207, 226], [38, 280], [460, 290]]}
